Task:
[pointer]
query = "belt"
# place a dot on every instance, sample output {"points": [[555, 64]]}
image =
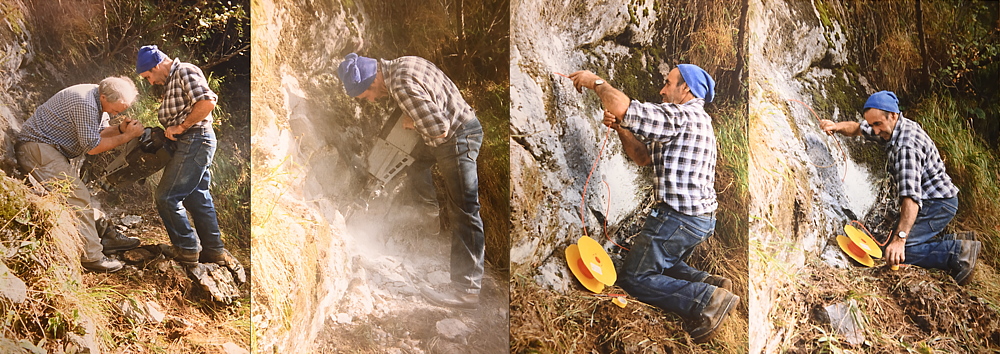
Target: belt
{"points": [[669, 208]]}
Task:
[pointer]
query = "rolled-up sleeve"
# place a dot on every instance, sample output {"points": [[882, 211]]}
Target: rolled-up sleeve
{"points": [[659, 122]]}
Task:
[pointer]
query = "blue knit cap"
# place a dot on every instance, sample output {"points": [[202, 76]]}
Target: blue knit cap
{"points": [[700, 83], [357, 73], [148, 57], [884, 100]]}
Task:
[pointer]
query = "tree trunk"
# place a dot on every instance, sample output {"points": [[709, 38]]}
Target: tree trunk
{"points": [[925, 82], [741, 46]]}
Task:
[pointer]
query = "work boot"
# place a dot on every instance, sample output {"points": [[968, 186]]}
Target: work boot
{"points": [[111, 239], [103, 265], [966, 261], [450, 298], [185, 256], [703, 329], [116, 241], [223, 258], [719, 281]]}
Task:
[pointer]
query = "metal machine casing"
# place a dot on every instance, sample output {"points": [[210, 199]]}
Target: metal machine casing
{"points": [[392, 150]]}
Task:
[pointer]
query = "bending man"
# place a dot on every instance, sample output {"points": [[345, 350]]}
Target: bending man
{"points": [[66, 126], [432, 105]]}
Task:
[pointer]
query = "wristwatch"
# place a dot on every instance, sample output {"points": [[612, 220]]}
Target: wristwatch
{"points": [[902, 235], [598, 82]]}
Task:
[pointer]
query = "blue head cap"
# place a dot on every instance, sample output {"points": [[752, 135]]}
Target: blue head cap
{"points": [[149, 56], [357, 73], [700, 83], [884, 100]]}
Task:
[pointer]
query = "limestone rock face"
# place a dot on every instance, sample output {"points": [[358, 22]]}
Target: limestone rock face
{"points": [[556, 131], [300, 246], [17, 52], [803, 187]]}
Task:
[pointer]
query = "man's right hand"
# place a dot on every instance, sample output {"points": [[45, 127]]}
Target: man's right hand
{"points": [[895, 252], [133, 128]]}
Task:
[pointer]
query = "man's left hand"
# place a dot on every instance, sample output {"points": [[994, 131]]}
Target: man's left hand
{"points": [[611, 121], [173, 131], [408, 122]]}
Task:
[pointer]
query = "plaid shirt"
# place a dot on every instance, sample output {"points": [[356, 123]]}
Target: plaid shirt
{"points": [[428, 96], [186, 85], [914, 162], [71, 121], [683, 150]]}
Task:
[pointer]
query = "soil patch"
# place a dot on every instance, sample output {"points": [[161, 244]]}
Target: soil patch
{"points": [[910, 308]]}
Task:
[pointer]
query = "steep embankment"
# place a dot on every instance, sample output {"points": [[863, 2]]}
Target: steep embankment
{"points": [[50, 303], [796, 171], [294, 264], [16, 99], [556, 132]]}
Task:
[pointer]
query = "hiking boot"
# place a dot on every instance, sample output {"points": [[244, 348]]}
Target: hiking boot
{"points": [[966, 261], [450, 298], [115, 241], [223, 258], [103, 265], [185, 256], [719, 281], [711, 317]]}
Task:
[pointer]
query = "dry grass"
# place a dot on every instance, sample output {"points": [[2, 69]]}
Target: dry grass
{"points": [[713, 45], [41, 248], [908, 309], [898, 54]]}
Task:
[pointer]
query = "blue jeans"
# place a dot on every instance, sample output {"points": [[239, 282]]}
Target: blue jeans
{"points": [[922, 249], [456, 160], [654, 271], [424, 193], [184, 188]]}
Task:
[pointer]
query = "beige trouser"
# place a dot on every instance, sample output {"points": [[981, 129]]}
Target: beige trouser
{"points": [[50, 167]]}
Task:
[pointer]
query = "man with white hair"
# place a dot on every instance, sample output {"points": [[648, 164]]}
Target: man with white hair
{"points": [[68, 125]]}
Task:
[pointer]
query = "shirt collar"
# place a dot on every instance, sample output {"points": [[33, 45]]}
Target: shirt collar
{"points": [[898, 130], [97, 99], [174, 66]]}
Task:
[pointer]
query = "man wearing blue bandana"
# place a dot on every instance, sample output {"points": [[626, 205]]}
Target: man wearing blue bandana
{"points": [[680, 145], [434, 107], [186, 116], [928, 199]]}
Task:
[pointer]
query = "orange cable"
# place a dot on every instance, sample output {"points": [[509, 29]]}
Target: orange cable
{"points": [[583, 196]]}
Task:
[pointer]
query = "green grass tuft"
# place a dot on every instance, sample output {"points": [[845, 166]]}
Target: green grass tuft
{"points": [[971, 164]]}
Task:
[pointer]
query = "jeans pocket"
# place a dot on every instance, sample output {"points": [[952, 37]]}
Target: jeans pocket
{"points": [[474, 142], [679, 244]]}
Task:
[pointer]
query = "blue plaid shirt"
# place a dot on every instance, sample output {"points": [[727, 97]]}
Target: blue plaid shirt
{"points": [[428, 96], [914, 162], [683, 149], [71, 121], [185, 86]]}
